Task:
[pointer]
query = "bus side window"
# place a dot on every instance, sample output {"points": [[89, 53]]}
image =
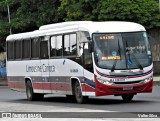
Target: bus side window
{"points": [[66, 45], [53, 46], [59, 48], [56, 46], [26, 48], [70, 45], [35, 48], [73, 44], [18, 49], [10, 50], [44, 49]]}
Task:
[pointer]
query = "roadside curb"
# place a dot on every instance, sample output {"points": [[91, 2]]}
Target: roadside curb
{"points": [[3, 84], [3, 81]]}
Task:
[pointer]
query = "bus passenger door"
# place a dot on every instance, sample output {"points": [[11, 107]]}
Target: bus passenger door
{"points": [[45, 66], [88, 71]]}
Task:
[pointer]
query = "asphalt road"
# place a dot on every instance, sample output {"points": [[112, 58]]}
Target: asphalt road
{"points": [[12, 101]]}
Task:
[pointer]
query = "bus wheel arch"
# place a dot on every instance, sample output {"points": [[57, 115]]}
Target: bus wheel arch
{"points": [[77, 91], [27, 79], [73, 81], [31, 96]]}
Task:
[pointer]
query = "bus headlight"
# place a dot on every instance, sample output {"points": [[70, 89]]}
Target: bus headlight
{"points": [[104, 81], [148, 79]]}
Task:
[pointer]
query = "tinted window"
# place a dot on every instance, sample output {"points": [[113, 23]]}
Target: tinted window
{"points": [[26, 48], [10, 50], [35, 48], [18, 49], [44, 49]]}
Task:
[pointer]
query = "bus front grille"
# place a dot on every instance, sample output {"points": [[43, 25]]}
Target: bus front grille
{"points": [[131, 82]]}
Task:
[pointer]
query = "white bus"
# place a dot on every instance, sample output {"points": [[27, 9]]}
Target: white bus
{"points": [[81, 59]]}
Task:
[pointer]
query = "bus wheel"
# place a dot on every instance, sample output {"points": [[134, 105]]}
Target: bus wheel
{"points": [[127, 97], [78, 93], [31, 96]]}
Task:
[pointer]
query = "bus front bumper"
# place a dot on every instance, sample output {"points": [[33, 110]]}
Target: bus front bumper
{"points": [[102, 89]]}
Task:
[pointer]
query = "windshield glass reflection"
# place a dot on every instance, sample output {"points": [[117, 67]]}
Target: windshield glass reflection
{"points": [[122, 51]]}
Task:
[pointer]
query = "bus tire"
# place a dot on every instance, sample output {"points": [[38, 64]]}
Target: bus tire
{"points": [[78, 93], [127, 97], [31, 96]]}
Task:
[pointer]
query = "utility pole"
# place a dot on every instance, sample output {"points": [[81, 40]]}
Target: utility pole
{"points": [[9, 17]]}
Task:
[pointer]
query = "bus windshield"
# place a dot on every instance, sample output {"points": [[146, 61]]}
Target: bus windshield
{"points": [[122, 50]]}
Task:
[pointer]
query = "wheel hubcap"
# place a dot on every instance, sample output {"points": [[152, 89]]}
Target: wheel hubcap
{"points": [[29, 93], [78, 93]]}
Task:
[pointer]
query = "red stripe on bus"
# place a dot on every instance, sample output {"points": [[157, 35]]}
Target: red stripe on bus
{"points": [[18, 85], [49, 86]]}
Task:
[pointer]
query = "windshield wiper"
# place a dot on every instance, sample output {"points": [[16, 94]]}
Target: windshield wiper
{"points": [[115, 61], [137, 62]]}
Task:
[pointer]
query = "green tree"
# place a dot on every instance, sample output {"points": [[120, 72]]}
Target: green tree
{"points": [[4, 25], [77, 10], [145, 12], [27, 15], [33, 13]]}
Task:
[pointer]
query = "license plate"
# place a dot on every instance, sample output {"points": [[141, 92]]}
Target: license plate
{"points": [[128, 88], [119, 79]]}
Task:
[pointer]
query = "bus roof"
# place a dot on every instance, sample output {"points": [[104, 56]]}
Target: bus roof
{"points": [[106, 26], [63, 24], [90, 26]]}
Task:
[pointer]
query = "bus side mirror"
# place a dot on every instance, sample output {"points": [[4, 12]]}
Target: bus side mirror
{"points": [[90, 46]]}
